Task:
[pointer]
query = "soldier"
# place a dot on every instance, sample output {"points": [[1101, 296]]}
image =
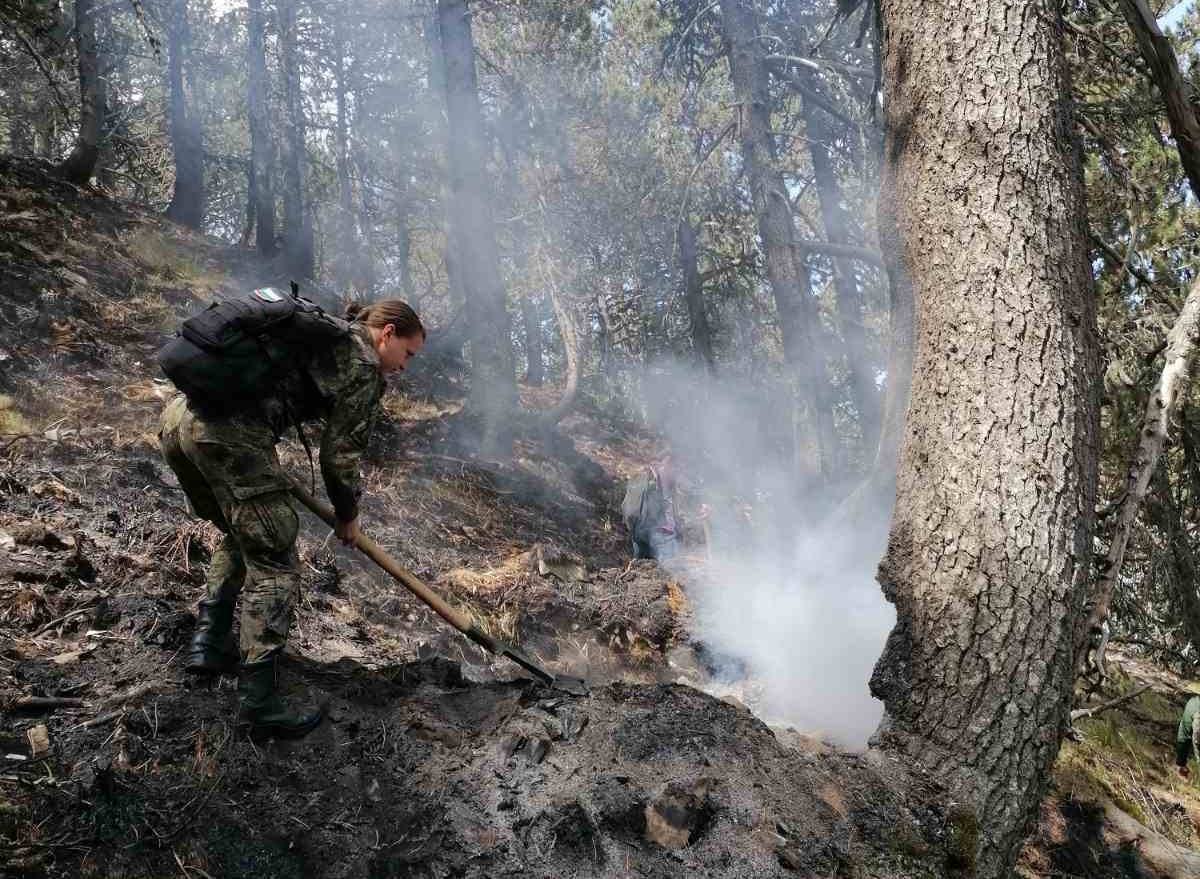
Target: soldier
{"points": [[1187, 738], [227, 466], [649, 512]]}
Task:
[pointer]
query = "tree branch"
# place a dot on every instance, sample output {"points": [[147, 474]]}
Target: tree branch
{"points": [[1163, 405], [1115, 703], [843, 251], [1164, 70]]}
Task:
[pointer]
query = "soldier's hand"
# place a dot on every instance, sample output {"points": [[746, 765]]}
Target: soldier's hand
{"points": [[347, 532]]}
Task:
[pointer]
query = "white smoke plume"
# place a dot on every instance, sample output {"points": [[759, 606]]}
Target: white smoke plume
{"points": [[790, 604]]}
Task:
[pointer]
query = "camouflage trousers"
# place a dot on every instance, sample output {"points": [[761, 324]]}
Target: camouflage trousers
{"points": [[231, 475]]}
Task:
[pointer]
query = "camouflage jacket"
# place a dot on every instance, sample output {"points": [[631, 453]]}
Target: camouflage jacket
{"points": [[341, 385], [647, 507], [1189, 724]]}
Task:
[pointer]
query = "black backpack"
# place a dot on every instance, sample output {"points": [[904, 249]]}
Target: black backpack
{"points": [[235, 353]]}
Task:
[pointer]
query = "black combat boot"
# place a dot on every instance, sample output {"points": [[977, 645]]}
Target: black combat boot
{"points": [[264, 711], [212, 651]]}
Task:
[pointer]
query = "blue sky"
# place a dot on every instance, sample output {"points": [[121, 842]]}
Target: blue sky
{"points": [[1176, 13]]}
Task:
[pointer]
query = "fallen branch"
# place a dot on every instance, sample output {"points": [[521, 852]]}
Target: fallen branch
{"points": [[113, 707], [129, 695], [1163, 855], [1080, 713], [50, 625], [45, 703]]}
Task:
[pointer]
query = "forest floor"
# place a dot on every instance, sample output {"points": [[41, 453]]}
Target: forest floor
{"points": [[434, 760]]}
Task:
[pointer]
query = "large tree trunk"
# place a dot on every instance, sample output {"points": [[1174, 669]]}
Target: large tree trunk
{"points": [[347, 272], [693, 291], [849, 294], [788, 276], [369, 210], [493, 377], [990, 543], [574, 341], [297, 224], [262, 152], [187, 199], [251, 207], [79, 166], [20, 118]]}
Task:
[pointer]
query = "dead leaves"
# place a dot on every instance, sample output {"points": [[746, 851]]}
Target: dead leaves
{"points": [[52, 488]]}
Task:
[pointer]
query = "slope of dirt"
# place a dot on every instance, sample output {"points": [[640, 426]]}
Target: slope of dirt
{"points": [[1117, 807], [434, 760]]}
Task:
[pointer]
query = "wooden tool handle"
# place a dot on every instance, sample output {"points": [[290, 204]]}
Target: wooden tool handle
{"points": [[455, 617]]}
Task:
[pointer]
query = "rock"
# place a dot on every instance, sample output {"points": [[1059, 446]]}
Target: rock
{"points": [[37, 534], [789, 858], [7, 541], [619, 806], [549, 561], [39, 741], [104, 615], [71, 657], [678, 816], [536, 749], [573, 724], [508, 746], [55, 489]]}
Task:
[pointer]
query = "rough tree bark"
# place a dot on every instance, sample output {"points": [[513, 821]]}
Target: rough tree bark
{"points": [[693, 291], [988, 554], [187, 198], [1162, 407], [80, 165], [262, 152], [297, 223], [493, 374], [786, 271], [819, 133]]}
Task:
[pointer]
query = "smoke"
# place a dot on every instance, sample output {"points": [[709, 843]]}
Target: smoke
{"points": [[787, 602]]}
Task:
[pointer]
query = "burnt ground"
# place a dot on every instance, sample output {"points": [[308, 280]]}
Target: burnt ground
{"points": [[434, 760]]}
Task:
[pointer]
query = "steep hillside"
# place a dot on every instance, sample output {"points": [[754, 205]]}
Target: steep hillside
{"points": [[435, 760]]}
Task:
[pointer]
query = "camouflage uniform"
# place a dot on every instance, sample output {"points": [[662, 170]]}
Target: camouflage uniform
{"points": [[228, 468], [649, 513], [1187, 738]]}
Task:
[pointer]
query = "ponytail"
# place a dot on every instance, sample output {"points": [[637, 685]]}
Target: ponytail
{"points": [[387, 311]]}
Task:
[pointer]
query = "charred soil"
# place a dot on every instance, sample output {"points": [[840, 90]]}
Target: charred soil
{"points": [[433, 760]]}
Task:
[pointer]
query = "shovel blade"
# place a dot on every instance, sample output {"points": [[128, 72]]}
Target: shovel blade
{"points": [[566, 683]]}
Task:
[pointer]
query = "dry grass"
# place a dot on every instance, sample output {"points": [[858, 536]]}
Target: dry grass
{"points": [[1126, 758], [12, 422], [169, 260], [143, 307], [677, 601], [509, 572], [403, 408]]}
